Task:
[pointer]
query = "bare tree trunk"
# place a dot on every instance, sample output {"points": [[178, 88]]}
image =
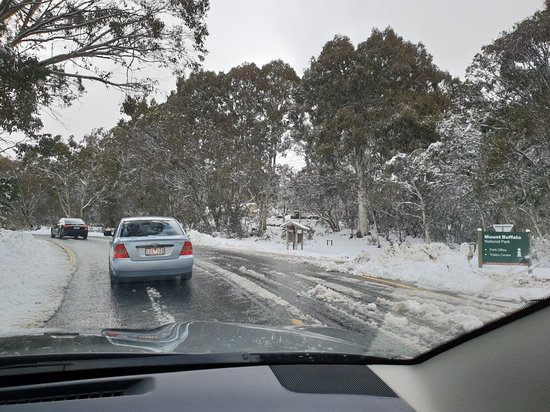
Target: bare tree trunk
{"points": [[263, 206], [362, 212], [375, 234], [535, 224], [482, 217], [423, 216], [64, 204], [427, 237], [267, 200]]}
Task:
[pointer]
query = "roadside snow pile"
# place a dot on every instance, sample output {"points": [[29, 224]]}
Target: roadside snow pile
{"points": [[202, 239], [34, 275], [427, 252], [456, 321], [336, 245], [426, 265], [432, 265], [436, 266], [541, 256]]}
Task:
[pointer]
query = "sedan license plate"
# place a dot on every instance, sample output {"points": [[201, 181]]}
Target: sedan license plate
{"points": [[76, 227], [154, 251]]}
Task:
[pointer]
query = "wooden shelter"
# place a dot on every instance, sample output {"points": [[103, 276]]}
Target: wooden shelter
{"points": [[295, 233]]}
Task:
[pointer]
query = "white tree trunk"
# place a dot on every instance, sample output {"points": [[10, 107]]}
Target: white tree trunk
{"points": [[362, 209], [262, 213], [427, 237]]}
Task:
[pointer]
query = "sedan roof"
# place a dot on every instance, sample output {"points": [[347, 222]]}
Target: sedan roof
{"points": [[126, 219]]}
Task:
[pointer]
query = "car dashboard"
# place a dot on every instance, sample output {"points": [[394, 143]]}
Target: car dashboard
{"points": [[502, 366], [248, 388]]}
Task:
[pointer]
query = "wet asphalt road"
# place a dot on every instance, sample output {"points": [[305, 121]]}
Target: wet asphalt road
{"points": [[227, 286], [91, 302], [254, 288]]}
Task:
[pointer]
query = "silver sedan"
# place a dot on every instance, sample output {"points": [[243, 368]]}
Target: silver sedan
{"points": [[150, 248]]}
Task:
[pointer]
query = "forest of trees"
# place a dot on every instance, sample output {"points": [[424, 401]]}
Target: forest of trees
{"points": [[393, 145]]}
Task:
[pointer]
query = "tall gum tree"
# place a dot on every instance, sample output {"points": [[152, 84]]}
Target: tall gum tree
{"points": [[50, 48], [362, 103], [511, 80]]}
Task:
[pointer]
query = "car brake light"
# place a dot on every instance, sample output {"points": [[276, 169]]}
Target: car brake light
{"points": [[187, 249], [120, 252], [66, 226], [85, 227]]}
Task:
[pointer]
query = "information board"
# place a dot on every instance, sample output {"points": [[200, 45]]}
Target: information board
{"points": [[505, 248]]}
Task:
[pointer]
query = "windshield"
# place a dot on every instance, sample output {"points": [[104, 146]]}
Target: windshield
{"points": [[348, 177]]}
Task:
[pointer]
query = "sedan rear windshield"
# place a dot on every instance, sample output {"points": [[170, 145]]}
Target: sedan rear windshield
{"points": [[150, 228], [73, 221]]}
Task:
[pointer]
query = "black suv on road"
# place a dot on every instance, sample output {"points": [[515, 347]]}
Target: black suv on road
{"points": [[70, 227]]}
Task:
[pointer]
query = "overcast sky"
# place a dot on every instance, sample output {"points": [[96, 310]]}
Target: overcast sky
{"points": [[295, 30]]}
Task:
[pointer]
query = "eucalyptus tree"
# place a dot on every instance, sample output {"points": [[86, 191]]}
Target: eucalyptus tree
{"points": [[510, 79], [368, 102], [69, 171], [259, 104], [50, 48]]}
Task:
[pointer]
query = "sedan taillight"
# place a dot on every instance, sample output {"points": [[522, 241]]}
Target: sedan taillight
{"points": [[187, 249], [120, 252]]}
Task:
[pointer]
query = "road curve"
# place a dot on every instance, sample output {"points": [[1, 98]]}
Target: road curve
{"points": [[244, 287]]}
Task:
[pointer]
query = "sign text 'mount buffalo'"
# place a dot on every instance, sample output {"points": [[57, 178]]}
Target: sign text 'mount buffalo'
{"points": [[505, 248]]}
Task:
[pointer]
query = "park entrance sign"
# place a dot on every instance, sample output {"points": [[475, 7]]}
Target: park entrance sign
{"points": [[504, 248]]}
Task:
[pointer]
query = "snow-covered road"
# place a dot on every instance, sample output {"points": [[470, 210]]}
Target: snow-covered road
{"points": [[253, 287], [65, 284], [394, 314]]}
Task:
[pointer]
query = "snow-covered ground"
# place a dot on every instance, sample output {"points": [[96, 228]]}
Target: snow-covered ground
{"points": [[431, 266], [34, 275]]}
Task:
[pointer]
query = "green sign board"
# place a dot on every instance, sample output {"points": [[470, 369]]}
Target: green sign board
{"points": [[505, 248]]}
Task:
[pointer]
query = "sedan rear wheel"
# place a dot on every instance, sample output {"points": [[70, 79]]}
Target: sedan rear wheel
{"points": [[52, 234], [112, 278], [60, 234]]}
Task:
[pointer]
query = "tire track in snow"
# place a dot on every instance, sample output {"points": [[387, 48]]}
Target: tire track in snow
{"points": [[411, 311], [258, 291], [327, 313]]}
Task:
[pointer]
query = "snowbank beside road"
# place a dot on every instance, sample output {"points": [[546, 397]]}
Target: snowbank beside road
{"points": [[339, 245], [34, 275], [431, 266]]}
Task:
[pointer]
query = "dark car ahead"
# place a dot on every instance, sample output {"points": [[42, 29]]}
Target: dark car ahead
{"points": [[70, 227]]}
